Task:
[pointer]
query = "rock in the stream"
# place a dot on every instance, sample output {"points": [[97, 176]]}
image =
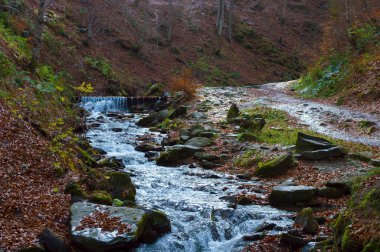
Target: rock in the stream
{"points": [[177, 154], [120, 185], [180, 111], [275, 167], [52, 242], [199, 142], [145, 226], [153, 118], [291, 195], [233, 112], [265, 227], [316, 148], [307, 221], [148, 147]]}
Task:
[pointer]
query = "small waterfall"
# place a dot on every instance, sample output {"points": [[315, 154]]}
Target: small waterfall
{"points": [[115, 103]]}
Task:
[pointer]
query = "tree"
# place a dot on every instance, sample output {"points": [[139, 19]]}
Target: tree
{"points": [[38, 32], [220, 17], [230, 19]]}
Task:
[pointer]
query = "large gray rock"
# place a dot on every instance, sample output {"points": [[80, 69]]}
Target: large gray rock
{"points": [[316, 148], [153, 118], [291, 195], [180, 111], [177, 154], [199, 142], [94, 238]]}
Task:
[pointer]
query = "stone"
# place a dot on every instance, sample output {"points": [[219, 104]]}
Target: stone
{"points": [[153, 118], [247, 137], [265, 227], [120, 185], [375, 162], [207, 134], [233, 112], [199, 142], [275, 167], [307, 221], [177, 154], [332, 152], [244, 201], [205, 156], [331, 192], [52, 242], [343, 185], [101, 197], [199, 115], [292, 240], [291, 195], [311, 143], [148, 147], [207, 164], [74, 189], [145, 226], [180, 111], [254, 237], [364, 156]]}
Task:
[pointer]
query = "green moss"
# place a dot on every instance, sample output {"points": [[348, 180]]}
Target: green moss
{"points": [[348, 243], [275, 167], [7, 68], [74, 189], [102, 66], [121, 186], [101, 197], [86, 156], [372, 246], [248, 159]]}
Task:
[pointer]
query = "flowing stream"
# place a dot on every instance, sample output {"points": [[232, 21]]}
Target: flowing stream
{"points": [[201, 220]]}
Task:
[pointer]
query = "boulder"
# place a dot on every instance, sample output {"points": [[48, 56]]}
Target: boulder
{"points": [[101, 197], [199, 142], [125, 227], [275, 167], [291, 195], [323, 154], [120, 185], [307, 221], [52, 242], [74, 189], [148, 147], [252, 124], [177, 154], [233, 112], [153, 118], [375, 162], [247, 137], [364, 156], [244, 201], [205, 156], [292, 240], [311, 143], [180, 111], [331, 192]]}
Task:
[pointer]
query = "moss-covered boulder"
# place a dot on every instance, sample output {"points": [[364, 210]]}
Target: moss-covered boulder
{"points": [[233, 112], [291, 195], [101, 197], [74, 189], [121, 186], [307, 221], [157, 224], [177, 154], [178, 112], [331, 192], [247, 137], [275, 167], [153, 118], [364, 156]]}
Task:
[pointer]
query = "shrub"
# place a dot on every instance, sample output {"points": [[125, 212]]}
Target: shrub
{"points": [[6, 67], [102, 66], [184, 82]]}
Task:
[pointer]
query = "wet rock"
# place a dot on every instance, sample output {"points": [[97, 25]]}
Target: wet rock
{"points": [[254, 237], [180, 111], [205, 156], [148, 147], [145, 226], [199, 115], [307, 221], [52, 242], [199, 142], [364, 156], [207, 164], [291, 195], [275, 167], [265, 227], [153, 118], [116, 130], [247, 137], [292, 240], [120, 185], [177, 155], [233, 112], [244, 176], [343, 185], [244, 201], [288, 182]]}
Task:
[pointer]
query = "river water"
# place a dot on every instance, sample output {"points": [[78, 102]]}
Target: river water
{"points": [[201, 220]]}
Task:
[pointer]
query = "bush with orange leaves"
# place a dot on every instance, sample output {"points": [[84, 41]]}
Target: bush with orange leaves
{"points": [[184, 82]]}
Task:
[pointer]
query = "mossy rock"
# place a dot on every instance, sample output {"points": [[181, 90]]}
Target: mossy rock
{"points": [[86, 156], [275, 167], [74, 189], [101, 197], [311, 143], [157, 224], [121, 186], [177, 155], [307, 221], [364, 156], [247, 137], [233, 112]]}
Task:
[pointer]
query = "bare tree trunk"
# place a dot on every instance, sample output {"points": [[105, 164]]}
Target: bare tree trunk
{"points": [[38, 32], [220, 17], [230, 20], [171, 20]]}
